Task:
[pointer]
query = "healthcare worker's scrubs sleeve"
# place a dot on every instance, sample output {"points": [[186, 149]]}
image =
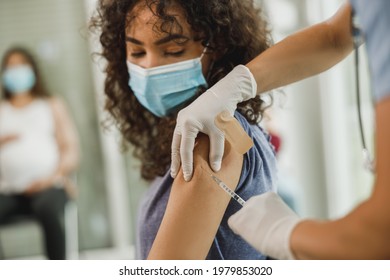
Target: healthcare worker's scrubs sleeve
{"points": [[374, 19]]}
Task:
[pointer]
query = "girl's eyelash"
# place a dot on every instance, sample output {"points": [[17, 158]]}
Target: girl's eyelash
{"points": [[137, 54], [140, 54], [178, 53]]}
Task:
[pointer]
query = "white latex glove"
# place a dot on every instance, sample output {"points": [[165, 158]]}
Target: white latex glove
{"points": [[266, 223], [237, 86]]}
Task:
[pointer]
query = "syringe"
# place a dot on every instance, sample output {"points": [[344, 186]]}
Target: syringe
{"points": [[232, 194]]}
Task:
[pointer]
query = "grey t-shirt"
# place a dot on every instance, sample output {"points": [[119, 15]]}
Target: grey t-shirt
{"points": [[374, 20], [258, 175]]}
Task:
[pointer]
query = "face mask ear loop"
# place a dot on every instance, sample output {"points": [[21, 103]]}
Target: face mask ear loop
{"points": [[212, 62], [204, 51]]}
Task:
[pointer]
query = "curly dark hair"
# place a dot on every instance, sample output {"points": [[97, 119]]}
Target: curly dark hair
{"points": [[233, 29], [39, 89]]}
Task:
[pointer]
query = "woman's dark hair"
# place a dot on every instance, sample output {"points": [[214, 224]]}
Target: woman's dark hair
{"points": [[233, 29], [38, 90]]}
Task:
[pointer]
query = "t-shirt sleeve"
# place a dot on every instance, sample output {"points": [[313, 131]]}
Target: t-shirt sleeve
{"points": [[258, 174]]}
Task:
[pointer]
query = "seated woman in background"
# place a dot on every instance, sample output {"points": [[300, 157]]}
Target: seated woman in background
{"points": [[161, 56], [38, 149]]}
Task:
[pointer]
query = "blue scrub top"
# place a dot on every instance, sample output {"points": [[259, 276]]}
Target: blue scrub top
{"points": [[374, 20]]}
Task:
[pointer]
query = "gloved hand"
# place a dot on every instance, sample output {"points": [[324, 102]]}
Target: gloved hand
{"points": [[266, 223], [237, 86]]}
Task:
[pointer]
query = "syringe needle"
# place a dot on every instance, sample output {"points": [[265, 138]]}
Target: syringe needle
{"points": [[231, 193]]}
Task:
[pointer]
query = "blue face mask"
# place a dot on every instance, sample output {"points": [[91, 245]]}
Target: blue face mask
{"points": [[163, 89], [18, 79]]}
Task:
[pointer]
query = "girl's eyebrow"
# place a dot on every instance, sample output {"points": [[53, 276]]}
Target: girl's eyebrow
{"points": [[161, 41], [134, 41]]}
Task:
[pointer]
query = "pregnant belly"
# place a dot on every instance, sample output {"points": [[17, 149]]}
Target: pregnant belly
{"points": [[25, 161]]}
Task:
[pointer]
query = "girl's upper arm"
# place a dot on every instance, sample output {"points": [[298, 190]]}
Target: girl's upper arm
{"points": [[195, 209]]}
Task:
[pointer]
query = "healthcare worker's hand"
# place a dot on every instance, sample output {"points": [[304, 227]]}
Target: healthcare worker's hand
{"points": [[237, 86], [266, 223]]}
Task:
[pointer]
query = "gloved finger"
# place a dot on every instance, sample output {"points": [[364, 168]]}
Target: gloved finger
{"points": [[246, 226], [238, 221], [186, 154], [217, 146], [175, 153], [232, 222]]}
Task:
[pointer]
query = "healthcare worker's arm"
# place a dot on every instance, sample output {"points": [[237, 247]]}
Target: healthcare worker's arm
{"points": [[195, 209], [303, 54], [270, 226], [365, 232]]}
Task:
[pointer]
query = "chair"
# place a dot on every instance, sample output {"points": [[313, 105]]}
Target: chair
{"points": [[70, 222], [71, 230], [70, 225]]}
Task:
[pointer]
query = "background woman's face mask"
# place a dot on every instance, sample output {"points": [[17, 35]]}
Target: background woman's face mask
{"points": [[18, 79], [163, 89]]}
